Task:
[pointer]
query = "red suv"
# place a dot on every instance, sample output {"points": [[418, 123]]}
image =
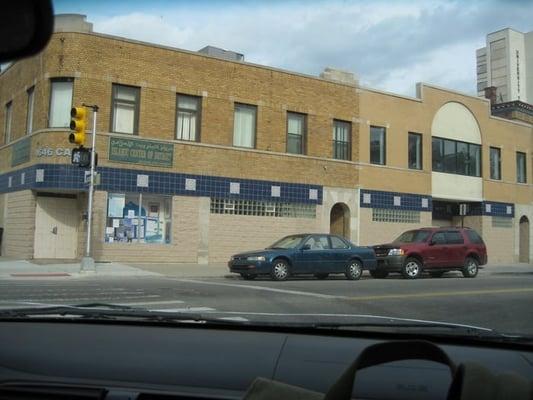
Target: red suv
{"points": [[435, 250]]}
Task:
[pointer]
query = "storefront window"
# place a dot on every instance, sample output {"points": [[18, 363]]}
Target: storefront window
{"points": [[138, 218]]}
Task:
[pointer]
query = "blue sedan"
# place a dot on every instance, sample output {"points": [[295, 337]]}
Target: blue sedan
{"points": [[317, 254]]}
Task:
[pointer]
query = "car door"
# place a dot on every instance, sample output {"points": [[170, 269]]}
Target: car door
{"points": [[340, 254], [313, 255], [455, 249], [434, 253]]}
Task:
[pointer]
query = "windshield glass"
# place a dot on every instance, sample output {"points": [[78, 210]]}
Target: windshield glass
{"points": [[417, 236], [153, 150], [289, 242]]}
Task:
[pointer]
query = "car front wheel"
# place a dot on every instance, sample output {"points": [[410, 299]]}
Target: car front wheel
{"points": [[470, 268], [280, 270], [354, 270], [412, 268]]}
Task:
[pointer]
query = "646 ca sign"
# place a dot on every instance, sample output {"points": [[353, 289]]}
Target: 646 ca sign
{"points": [[51, 152]]}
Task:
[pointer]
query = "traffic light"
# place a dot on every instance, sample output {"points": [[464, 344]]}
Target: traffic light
{"points": [[78, 124]]}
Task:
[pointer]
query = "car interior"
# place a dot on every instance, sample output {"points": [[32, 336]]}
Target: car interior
{"points": [[80, 359]]}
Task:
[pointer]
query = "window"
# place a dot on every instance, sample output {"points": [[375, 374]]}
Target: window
{"points": [[437, 154], [521, 173], [29, 115], [262, 208], [188, 118], [391, 215], [462, 158], [342, 134], [439, 238], [296, 127], [244, 125], [317, 243], [377, 145], [7, 122], [473, 237], [495, 163], [482, 85], [418, 236], [136, 218], [502, 222], [415, 151], [454, 237], [60, 103], [449, 156], [338, 243], [125, 109], [456, 157]]}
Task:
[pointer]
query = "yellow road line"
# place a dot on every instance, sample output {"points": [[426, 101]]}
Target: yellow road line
{"points": [[441, 294]]}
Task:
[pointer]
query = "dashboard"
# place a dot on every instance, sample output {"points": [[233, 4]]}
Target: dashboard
{"points": [[139, 361]]}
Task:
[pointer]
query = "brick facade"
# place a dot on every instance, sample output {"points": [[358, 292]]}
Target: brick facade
{"points": [[162, 73]]}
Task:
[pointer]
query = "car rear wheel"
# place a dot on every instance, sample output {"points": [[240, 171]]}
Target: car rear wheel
{"points": [[378, 274], [470, 268], [321, 276], [280, 270], [248, 277], [436, 274], [354, 270], [411, 268]]}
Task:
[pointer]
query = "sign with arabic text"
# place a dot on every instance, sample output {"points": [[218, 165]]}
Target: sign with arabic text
{"points": [[20, 152], [142, 152]]}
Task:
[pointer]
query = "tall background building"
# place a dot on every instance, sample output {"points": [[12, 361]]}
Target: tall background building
{"points": [[506, 63]]}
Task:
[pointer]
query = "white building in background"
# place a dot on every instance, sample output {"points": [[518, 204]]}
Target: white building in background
{"points": [[507, 64]]}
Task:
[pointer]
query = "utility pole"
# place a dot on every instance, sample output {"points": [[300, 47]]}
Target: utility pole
{"points": [[87, 262]]}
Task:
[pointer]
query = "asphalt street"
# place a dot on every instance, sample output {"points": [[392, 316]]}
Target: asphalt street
{"points": [[497, 300]]}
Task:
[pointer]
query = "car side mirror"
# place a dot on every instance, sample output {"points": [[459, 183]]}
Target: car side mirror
{"points": [[432, 243], [306, 247]]}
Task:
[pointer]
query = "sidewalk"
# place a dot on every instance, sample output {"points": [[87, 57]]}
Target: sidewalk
{"points": [[25, 269]]}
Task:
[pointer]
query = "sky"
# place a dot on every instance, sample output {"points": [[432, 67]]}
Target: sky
{"points": [[389, 45]]}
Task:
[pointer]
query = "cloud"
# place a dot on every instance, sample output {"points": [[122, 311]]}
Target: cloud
{"points": [[388, 45]]}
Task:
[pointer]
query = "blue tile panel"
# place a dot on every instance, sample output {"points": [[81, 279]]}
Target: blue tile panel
{"points": [[408, 201], [497, 209], [63, 176]]}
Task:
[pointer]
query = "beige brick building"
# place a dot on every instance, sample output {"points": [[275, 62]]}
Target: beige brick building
{"points": [[201, 157]]}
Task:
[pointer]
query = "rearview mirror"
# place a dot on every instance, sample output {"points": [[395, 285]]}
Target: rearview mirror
{"points": [[25, 28], [306, 247]]}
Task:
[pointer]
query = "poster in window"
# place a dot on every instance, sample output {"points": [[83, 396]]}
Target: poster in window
{"points": [[116, 205], [154, 210]]}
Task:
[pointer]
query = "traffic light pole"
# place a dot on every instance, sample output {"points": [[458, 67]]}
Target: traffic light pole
{"points": [[87, 262]]}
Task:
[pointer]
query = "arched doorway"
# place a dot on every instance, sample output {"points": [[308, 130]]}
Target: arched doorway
{"points": [[523, 241], [339, 220]]}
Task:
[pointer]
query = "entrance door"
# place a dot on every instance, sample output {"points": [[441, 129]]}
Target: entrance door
{"points": [[523, 246], [339, 218], [56, 227]]}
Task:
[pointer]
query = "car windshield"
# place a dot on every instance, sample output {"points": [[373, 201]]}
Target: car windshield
{"points": [[161, 155], [417, 236], [289, 242]]}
